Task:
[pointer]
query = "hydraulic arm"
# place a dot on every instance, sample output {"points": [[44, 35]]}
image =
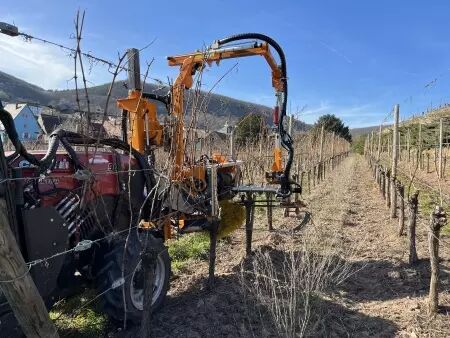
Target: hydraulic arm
{"points": [[221, 50], [146, 129]]}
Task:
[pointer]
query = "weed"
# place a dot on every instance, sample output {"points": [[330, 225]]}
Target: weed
{"points": [[88, 322], [189, 247]]}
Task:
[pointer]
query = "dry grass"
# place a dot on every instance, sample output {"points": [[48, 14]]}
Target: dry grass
{"points": [[288, 285]]}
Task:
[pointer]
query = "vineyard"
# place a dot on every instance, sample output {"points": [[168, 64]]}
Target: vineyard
{"points": [[408, 162]]}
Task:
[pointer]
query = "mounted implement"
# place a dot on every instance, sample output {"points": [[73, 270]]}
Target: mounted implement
{"points": [[111, 196]]}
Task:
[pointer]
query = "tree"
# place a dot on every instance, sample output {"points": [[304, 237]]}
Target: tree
{"points": [[249, 128], [358, 144], [334, 124]]}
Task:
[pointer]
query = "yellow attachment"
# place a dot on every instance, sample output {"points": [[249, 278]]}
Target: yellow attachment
{"points": [[146, 225], [219, 158], [277, 165], [232, 217], [167, 229], [140, 110]]}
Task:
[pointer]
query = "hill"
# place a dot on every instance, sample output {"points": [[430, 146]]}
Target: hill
{"points": [[14, 89], [214, 109], [363, 131]]}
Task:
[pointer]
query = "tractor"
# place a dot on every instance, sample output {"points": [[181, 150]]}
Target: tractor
{"points": [[101, 201]]}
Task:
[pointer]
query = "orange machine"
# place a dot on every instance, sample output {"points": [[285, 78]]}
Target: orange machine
{"points": [[196, 185], [191, 63]]}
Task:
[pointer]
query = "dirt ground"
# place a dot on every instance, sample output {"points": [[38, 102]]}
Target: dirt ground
{"points": [[384, 297]]}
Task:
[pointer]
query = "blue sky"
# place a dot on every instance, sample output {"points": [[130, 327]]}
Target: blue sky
{"points": [[355, 59]]}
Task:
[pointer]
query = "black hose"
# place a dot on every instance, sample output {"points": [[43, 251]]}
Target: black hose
{"points": [[124, 126], [161, 98], [67, 138], [10, 128], [286, 139], [78, 139]]}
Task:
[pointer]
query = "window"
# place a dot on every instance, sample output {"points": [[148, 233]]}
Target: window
{"points": [[26, 135]]}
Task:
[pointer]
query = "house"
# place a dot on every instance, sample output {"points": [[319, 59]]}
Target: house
{"points": [[216, 136], [25, 121], [216, 141], [98, 129], [50, 122], [221, 135]]}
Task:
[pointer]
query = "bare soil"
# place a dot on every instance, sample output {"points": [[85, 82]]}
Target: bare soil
{"points": [[385, 297]]}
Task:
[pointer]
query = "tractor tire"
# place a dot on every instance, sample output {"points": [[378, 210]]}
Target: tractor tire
{"points": [[110, 273]]}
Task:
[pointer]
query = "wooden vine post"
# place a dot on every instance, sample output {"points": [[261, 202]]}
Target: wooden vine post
{"points": [[408, 144], [308, 174], [371, 143], [389, 143], [379, 144], [365, 147], [401, 217], [412, 207], [394, 162], [438, 220], [269, 210], [319, 173], [441, 138], [332, 150], [419, 150], [378, 178], [388, 188]]}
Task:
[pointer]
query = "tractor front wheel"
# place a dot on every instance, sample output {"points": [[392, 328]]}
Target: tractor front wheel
{"points": [[120, 278]]}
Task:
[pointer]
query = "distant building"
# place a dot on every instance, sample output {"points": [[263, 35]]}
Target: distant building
{"points": [[49, 123], [98, 129], [216, 136], [25, 121], [214, 141], [30, 127]]}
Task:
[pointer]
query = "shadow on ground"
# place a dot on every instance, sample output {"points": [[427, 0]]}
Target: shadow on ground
{"points": [[379, 280], [228, 311]]}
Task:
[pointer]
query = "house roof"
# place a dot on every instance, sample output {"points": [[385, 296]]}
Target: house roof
{"points": [[15, 108], [199, 133], [49, 123], [217, 135], [98, 128]]}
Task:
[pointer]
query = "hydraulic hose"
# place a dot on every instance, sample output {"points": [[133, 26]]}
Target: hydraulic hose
{"points": [[67, 138], [286, 139], [124, 126], [161, 98], [10, 128], [78, 139]]}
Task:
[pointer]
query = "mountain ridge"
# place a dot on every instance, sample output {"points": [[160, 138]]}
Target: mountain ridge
{"points": [[220, 108]]}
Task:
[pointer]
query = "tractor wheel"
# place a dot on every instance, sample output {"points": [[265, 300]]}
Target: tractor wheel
{"points": [[130, 295]]}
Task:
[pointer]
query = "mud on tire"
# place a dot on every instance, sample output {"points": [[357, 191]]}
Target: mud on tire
{"points": [[110, 265]]}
